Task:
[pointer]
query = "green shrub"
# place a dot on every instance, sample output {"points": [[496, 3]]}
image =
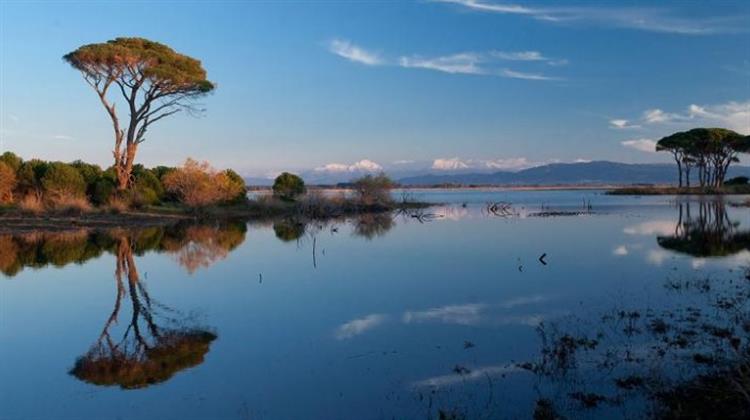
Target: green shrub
{"points": [[14, 162], [235, 186], [147, 188], [62, 180], [373, 190], [288, 186], [28, 183], [90, 173], [103, 191]]}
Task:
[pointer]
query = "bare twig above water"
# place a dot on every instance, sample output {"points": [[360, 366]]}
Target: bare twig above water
{"points": [[500, 209]]}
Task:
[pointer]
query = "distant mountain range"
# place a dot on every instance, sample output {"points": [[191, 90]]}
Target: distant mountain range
{"points": [[579, 173], [596, 172]]}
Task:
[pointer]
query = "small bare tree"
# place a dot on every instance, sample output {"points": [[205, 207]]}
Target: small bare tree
{"points": [[154, 80]]}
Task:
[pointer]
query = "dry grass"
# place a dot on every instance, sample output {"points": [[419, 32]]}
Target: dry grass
{"points": [[117, 205], [32, 204], [70, 204]]}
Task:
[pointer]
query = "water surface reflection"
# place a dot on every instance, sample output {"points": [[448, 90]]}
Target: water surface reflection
{"points": [[641, 304], [158, 341]]}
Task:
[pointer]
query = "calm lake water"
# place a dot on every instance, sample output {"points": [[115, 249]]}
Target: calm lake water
{"points": [[451, 311]]}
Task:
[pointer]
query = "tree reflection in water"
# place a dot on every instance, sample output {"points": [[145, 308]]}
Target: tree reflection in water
{"points": [[193, 245], [147, 353], [706, 233], [157, 341], [201, 246], [367, 226]]}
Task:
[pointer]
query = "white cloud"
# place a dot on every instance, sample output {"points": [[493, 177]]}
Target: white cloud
{"points": [[467, 314], [637, 18], [62, 137], [364, 165], [509, 164], [620, 124], [475, 64], [358, 326], [492, 7], [472, 63], [620, 251], [451, 164], [462, 63], [403, 162], [656, 115], [528, 56], [351, 52], [526, 76], [519, 55], [733, 115], [480, 373], [642, 145]]}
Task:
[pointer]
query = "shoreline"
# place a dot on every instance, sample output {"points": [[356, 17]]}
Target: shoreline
{"points": [[14, 221]]}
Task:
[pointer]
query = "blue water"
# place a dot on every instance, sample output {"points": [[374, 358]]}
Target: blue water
{"points": [[364, 319]]}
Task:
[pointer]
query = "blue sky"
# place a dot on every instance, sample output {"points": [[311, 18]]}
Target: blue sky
{"points": [[346, 85]]}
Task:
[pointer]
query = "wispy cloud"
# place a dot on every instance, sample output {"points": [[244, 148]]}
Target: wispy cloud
{"points": [[475, 64], [351, 52], [621, 124], [656, 115], [519, 55], [637, 18], [358, 326], [528, 56], [642, 145], [462, 63], [62, 137], [364, 165], [471, 63], [485, 6], [526, 76]]}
